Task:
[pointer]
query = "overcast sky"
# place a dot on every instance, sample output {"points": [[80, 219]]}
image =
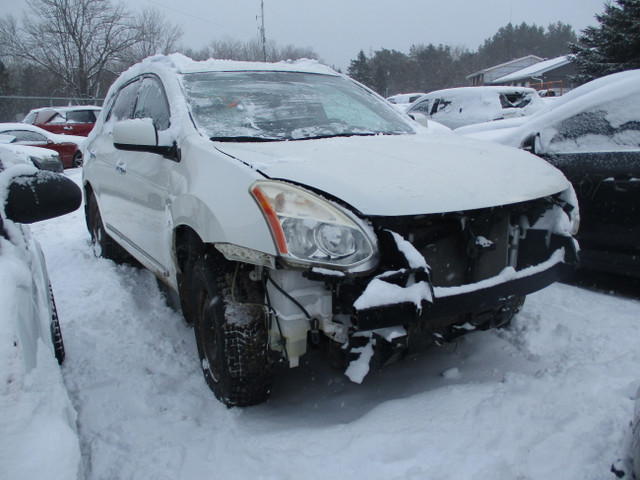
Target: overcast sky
{"points": [[338, 29]]}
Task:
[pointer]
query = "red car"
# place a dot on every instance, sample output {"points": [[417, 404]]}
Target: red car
{"points": [[77, 120], [67, 146]]}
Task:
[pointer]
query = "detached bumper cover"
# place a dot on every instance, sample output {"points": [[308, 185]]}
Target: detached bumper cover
{"points": [[476, 298]]}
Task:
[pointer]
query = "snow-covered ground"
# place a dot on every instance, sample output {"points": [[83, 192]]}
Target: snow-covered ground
{"points": [[550, 397]]}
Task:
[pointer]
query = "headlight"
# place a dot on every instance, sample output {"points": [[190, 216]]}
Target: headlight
{"points": [[311, 231]]}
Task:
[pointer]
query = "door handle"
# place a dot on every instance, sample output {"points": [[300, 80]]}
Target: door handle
{"points": [[121, 167]]}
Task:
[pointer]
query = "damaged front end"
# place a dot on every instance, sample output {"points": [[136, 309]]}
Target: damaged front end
{"points": [[437, 277]]}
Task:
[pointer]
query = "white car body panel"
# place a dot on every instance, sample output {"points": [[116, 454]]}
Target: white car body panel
{"points": [[369, 172], [169, 194], [27, 299]]}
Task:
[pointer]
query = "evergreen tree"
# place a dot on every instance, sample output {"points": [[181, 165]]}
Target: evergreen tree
{"points": [[611, 47], [430, 67], [558, 37], [518, 41], [360, 70], [392, 72], [511, 42], [436, 67]]}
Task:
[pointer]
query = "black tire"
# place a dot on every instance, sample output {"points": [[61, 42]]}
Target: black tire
{"points": [[233, 354], [77, 159], [102, 244], [56, 333]]}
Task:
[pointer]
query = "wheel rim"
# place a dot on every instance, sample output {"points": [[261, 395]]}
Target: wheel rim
{"points": [[96, 230]]}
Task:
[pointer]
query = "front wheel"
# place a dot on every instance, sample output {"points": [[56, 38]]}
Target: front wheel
{"points": [[231, 337], [102, 244]]}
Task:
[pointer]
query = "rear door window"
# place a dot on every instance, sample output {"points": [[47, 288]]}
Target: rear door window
{"points": [[81, 116]]}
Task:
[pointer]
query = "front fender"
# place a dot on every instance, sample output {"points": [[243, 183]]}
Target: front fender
{"points": [[210, 195]]}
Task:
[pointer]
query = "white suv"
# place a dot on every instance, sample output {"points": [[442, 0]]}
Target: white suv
{"points": [[289, 206]]}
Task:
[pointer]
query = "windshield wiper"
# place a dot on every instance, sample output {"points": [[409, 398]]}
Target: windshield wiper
{"points": [[335, 135], [245, 139]]}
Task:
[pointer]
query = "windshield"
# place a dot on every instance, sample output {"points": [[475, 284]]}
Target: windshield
{"points": [[259, 106]]}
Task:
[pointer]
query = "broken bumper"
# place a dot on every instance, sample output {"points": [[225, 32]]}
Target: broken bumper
{"points": [[476, 299]]}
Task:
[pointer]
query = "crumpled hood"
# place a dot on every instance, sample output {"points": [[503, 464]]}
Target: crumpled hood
{"points": [[406, 174]]}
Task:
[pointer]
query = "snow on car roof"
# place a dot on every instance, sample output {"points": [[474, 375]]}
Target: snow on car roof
{"points": [[597, 92], [474, 91], [178, 63], [405, 97], [170, 67], [6, 126], [534, 70], [70, 108]]}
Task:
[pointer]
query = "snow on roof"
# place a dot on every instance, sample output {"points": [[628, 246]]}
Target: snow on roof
{"points": [[476, 91], [170, 67], [181, 64], [515, 60], [70, 108], [535, 69]]}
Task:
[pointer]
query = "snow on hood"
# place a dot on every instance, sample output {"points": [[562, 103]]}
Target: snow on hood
{"points": [[406, 174]]}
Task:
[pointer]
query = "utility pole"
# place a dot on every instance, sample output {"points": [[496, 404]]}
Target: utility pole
{"points": [[262, 34]]}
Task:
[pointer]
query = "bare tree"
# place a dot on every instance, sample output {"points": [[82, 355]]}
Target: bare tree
{"points": [[231, 49], [157, 36], [77, 41], [228, 48]]}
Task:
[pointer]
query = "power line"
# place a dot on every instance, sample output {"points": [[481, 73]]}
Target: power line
{"points": [[182, 12]]}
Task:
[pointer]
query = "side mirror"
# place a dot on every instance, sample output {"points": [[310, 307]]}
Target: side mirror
{"points": [[140, 135], [139, 132], [532, 144], [41, 196]]}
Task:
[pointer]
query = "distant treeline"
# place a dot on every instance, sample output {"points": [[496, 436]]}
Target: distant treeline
{"points": [[431, 67]]}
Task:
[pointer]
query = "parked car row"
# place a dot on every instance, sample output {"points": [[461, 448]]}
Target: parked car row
{"points": [[50, 137], [456, 107], [67, 146]]}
